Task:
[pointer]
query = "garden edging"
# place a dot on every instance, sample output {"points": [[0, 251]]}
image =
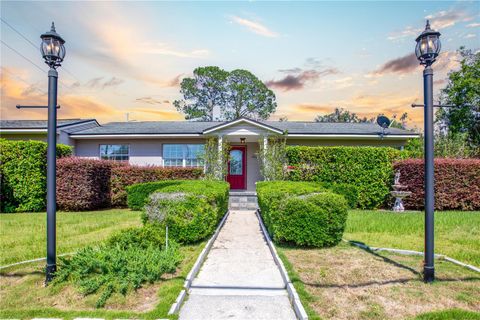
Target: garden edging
{"points": [[196, 268], [292, 293]]}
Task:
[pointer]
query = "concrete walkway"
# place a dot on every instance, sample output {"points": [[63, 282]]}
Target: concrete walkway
{"points": [[239, 279]]}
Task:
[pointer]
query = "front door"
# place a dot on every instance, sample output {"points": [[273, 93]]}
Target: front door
{"points": [[237, 169]]}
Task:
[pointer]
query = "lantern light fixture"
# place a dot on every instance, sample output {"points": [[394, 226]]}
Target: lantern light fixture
{"points": [[52, 48], [242, 140], [428, 46]]}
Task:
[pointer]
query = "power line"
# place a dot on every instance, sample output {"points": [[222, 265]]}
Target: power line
{"points": [[33, 44], [21, 55], [33, 63], [19, 33]]}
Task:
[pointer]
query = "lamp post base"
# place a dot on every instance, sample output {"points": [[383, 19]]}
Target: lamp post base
{"points": [[428, 274], [50, 271]]}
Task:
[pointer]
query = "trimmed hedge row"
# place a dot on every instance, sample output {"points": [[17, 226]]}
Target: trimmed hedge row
{"points": [[190, 209], [457, 183], [370, 169], [88, 184], [302, 213], [23, 167], [123, 176], [83, 184]]}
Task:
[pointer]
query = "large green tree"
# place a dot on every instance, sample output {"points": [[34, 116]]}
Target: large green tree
{"points": [[463, 91], [215, 94], [341, 115]]}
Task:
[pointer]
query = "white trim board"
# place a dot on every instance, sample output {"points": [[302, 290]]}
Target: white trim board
{"points": [[234, 122]]}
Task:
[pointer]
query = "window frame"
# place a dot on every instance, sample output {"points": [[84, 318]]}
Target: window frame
{"points": [[185, 157], [116, 154]]}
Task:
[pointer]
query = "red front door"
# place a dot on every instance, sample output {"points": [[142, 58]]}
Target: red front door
{"points": [[237, 167]]}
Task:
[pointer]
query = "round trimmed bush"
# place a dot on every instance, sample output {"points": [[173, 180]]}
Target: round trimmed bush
{"points": [[316, 220], [189, 217]]}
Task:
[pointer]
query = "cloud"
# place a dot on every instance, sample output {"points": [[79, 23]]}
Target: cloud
{"points": [[470, 35], [161, 48], [409, 31], [99, 83], [473, 25], [255, 27], [448, 18], [297, 78], [438, 21], [175, 81], [402, 65], [146, 114], [313, 108], [113, 82], [149, 100]]}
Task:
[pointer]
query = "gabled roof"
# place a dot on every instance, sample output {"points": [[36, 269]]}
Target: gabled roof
{"points": [[255, 123], [199, 128], [40, 124]]}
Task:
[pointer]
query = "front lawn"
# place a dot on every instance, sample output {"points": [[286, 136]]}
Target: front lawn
{"points": [[346, 282], [23, 235], [25, 297], [457, 233]]}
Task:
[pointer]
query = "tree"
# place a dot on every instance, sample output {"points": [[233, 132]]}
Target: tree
{"points": [[202, 93], [341, 115], [463, 91], [233, 94]]}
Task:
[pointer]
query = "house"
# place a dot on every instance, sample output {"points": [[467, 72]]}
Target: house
{"points": [[178, 143]]}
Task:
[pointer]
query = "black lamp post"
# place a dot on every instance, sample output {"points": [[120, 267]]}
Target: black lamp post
{"points": [[427, 50], [53, 52]]}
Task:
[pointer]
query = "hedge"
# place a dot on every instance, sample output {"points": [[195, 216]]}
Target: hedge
{"points": [[123, 176], [88, 184], [215, 191], [190, 209], [23, 167], [369, 169], [457, 183], [301, 213], [83, 184]]}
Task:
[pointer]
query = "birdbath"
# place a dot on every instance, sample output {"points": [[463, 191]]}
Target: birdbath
{"points": [[399, 193]]}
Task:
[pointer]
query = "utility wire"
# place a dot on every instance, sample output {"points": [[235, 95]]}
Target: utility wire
{"points": [[33, 63], [21, 55], [33, 44]]}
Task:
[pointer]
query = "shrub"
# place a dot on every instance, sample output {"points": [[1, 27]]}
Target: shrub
{"points": [[189, 217], [88, 184], [23, 167], [123, 176], [144, 237], [190, 209], [83, 184], [369, 169], [215, 191], [457, 184], [305, 214], [115, 268]]}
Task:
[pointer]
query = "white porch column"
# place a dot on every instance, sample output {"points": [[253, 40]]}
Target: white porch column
{"points": [[220, 156]]}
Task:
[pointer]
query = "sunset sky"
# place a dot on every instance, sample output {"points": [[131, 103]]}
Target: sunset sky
{"points": [[129, 57]]}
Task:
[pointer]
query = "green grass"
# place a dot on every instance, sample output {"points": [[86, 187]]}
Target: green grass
{"points": [[29, 299], [23, 235], [449, 314], [457, 233]]}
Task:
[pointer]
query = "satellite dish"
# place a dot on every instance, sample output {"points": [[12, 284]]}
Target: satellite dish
{"points": [[383, 122]]}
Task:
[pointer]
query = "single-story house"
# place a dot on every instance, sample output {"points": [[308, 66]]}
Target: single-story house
{"points": [[177, 143]]}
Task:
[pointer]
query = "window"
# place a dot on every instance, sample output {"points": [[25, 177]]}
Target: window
{"points": [[183, 155], [116, 152]]}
